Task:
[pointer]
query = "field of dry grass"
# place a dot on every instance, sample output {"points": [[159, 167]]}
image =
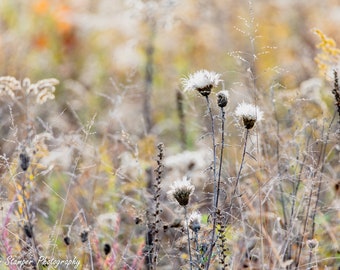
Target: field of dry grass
{"points": [[169, 134]]}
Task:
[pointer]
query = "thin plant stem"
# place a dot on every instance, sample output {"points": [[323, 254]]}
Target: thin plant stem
{"points": [[149, 77], [221, 157], [197, 247], [242, 162], [237, 188], [261, 225], [188, 234], [212, 242], [323, 154], [214, 148], [28, 217], [181, 116], [217, 189], [312, 177]]}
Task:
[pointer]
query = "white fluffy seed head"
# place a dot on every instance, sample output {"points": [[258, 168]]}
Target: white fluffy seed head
{"points": [[202, 81], [249, 114]]}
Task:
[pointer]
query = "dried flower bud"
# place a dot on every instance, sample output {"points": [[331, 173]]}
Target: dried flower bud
{"points": [[67, 240], [195, 221], [28, 230], [222, 98], [138, 220], [24, 161], [84, 235], [312, 243], [107, 249]]}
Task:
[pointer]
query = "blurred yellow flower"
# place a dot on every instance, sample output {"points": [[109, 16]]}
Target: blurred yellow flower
{"points": [[328, 59]]}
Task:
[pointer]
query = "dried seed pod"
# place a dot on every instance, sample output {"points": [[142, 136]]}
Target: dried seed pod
{"points": [[24, 161], [222, 98], [28, 230], [84, 235], [67, 240], [312, 243], [107, 249]]}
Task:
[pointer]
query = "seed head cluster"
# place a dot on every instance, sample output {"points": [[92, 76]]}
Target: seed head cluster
{"points": [[43, 90]]}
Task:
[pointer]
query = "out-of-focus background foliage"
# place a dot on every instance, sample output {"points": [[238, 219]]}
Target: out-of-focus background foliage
{"points": [[92, 45], [120, 62]]}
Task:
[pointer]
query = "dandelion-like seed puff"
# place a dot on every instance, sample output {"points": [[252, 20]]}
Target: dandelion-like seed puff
{"points": [[180, 191], [249, 113], [202, 81]]}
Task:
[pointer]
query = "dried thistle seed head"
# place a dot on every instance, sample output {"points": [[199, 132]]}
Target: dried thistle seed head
{"points": [[202, 81], [222, 98], [248, 122], [28, 230], [181, 191], [195, 221], [24, 161], [67, 240], [84, 235], [312, 243], [107, 249], [138, 220], [249, 114]]}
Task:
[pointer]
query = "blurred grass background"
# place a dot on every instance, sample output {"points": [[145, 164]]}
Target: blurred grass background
{"points": [[102, 52]]}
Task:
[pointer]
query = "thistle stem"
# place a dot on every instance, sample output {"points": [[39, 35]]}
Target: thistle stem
{"points": [[214, 148], [188, 234], [212, 241], [221, 157], [242, 162], [236, 187]]}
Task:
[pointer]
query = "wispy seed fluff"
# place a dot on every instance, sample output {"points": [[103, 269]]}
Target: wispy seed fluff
{"points": [[180, 191], [249, 114], [222, 98], [202, 81]]}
